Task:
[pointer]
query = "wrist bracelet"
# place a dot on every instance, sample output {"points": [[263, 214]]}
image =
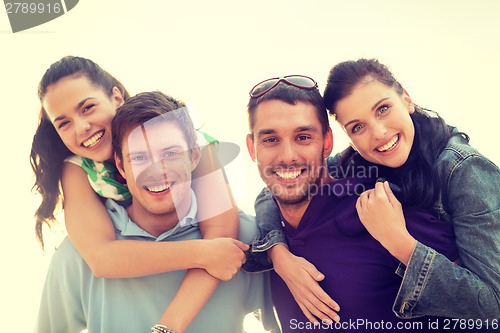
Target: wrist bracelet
{"points": [[161, 329]]}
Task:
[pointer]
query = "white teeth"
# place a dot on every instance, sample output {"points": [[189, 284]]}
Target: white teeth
{"points": [[389, 145], [158, 188], [92, 141], [288, 174]]}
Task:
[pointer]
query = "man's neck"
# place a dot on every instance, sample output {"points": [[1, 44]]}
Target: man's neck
{"points": [[293, 213], [154, 224]]}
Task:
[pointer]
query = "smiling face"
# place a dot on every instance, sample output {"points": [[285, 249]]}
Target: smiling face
{"points": [[81, 114], [289, 148], [157, 164], [377, 120]]}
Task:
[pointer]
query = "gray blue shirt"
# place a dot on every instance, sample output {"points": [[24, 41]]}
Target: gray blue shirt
{"points": [[74, 299]]}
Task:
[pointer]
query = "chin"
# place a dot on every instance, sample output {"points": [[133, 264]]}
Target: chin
{"points": [[396, 164]]}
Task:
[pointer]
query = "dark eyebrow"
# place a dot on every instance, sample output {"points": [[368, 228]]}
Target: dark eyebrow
{"points": [[306, 128], [137, 152], [162, 150], [58, 118], [376, 104], [265, 132], [373, 109], [297, 130], [78, 107]]}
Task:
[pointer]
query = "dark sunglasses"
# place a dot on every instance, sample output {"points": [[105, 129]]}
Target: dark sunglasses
{"points": [[299, 81]]}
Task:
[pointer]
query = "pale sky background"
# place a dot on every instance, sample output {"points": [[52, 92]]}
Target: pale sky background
{"points": [[210, 53]]}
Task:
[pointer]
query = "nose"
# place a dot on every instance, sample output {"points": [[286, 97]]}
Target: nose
{"points": [[288, 153], [156, 172], [82, 125], [379, 130]]}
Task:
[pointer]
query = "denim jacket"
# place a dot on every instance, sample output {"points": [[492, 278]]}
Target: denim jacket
{"points": [[470, 200], [433, 285]]}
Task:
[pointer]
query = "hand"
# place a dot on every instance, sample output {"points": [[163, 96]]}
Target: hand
{"points": [[302, 278], [382, 215], [223, 257]]}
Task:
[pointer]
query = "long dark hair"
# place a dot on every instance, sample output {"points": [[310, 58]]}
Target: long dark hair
{"points": [[418, 177], [47, 149]]}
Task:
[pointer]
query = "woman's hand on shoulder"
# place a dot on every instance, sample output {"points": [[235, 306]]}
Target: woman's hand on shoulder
{"points": [[382, 215], [223, 257]]}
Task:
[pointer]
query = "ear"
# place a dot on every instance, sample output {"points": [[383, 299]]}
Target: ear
{"points": [[251, 146], [195, 157], [409, 102], [119, 166], [117, 97], [328, 143]]}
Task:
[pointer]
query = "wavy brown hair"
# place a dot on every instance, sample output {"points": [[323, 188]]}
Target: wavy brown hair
{"points": [[47, 149]]}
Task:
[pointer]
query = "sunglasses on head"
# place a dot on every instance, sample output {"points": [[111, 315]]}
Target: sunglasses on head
{"points": [[299, 81]]}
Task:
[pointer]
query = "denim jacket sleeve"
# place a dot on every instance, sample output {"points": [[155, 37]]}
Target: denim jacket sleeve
{"points": [[268, 223], [270, 233], [433, 285]]}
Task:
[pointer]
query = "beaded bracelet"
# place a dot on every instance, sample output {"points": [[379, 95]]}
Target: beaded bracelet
{"points": [[161, 329]]}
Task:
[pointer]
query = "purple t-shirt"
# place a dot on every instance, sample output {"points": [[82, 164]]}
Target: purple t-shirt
{"points": [[360, 274]]}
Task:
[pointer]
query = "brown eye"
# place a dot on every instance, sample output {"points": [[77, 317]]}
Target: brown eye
{"points": [[270, 140], [303, 138]]}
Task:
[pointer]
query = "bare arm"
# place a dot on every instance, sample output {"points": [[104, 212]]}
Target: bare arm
{"points": [[194, 292], [91, 231], [217, 211], [218, 218]]}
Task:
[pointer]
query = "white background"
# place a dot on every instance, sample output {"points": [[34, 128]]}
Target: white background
{"points": [[210, 53]]}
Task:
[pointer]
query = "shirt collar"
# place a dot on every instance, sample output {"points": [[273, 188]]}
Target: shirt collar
{"points": [[127, 228]]}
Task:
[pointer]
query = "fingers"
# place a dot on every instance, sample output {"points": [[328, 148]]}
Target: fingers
{"points": [[312, 271], [392, 198], [307, 313], [325, 307], [376, 196], [319, 303], [314, 310], [380, 192], [241, 245], [326, 299], [362, 201]]}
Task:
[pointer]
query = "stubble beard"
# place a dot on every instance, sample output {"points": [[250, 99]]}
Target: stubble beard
{"points": [[302, 195]]}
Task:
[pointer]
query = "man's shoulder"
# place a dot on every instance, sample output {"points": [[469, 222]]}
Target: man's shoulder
{"points": [[67, 260], [66, 250], [117, 213], [248, 227], [246, 217]]}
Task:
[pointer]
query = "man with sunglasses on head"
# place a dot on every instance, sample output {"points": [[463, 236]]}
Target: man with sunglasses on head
{"points": [[290, 139]]}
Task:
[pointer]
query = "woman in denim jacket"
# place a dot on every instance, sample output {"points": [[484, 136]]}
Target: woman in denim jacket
{"points": [[429, 164]]}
